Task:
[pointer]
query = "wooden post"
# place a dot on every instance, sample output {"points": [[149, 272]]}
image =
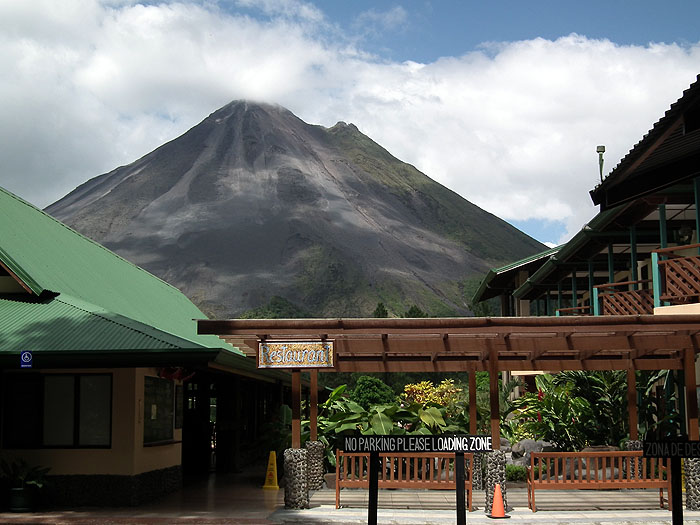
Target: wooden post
{"points": [[493, 394], [313, 406], [472, 402], [696, 192], [459, 483], [296, 408], [633, 256], [691, 400], [632, 403], [373, 475]]}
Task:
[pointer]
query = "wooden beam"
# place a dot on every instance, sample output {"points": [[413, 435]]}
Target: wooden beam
{"points": [[691, 400], [632, 403], [472, 402], [313, 406], [493, 395], [296, 408]]}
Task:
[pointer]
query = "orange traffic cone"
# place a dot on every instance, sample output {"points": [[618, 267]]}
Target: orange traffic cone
{"points": [[497, 510]]}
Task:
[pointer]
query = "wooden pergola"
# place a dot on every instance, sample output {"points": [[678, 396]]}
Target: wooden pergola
{"points": [[553, 344]]}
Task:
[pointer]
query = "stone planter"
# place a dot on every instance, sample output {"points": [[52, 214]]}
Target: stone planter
{"points": [[329, 478]]}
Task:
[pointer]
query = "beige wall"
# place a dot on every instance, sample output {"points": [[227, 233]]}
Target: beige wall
{"points": [[127, 456], [678, 309]]}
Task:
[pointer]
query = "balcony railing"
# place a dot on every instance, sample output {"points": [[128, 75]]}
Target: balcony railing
{"points": [[611, 301], [574, 310], [676, 277]]}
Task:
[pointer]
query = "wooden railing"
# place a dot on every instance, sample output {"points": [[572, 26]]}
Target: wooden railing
{"points": [[679, 276], [596, 470], [402, 471], [625, 302], [574, 310]]}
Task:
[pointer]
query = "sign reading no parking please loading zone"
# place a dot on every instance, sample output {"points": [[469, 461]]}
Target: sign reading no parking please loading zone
{"points": [[416, 443]]}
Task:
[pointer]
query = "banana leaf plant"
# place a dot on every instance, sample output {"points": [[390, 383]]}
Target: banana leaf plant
{"points": [[339, 416]]}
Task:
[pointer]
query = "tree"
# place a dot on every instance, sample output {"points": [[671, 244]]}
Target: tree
{"points": [[414, 311], [380, 311], [370, 391]]}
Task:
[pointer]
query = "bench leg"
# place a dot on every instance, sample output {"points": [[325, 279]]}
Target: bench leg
{"points": [[337, 488]]}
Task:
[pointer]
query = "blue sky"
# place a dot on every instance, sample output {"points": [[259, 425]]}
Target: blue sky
{"points": [[502, 102]]}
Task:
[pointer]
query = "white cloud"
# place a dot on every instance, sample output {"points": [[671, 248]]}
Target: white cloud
{"points": [[512, 127], [373, 21]]}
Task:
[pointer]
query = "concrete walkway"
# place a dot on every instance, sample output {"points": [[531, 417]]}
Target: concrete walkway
{"points": [[238, 499]]}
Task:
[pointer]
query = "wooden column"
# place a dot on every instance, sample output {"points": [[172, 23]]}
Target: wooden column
{"points": [[632, 403], [472, 402], [633, 256], [691, 400], [696, 191], [493, 394], [296, 408], [313, 406]]}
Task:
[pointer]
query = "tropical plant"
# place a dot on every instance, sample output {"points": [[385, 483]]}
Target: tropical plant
{"points": [[606, 393], [658, 415], [558, 416], [446, 394], [19, 474]]}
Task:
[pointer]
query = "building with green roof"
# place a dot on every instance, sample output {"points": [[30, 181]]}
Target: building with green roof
{"points": [[93, 354]]}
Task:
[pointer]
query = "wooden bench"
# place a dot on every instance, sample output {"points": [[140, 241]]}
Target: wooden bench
{"points": [[402, 471], [596, 470]]}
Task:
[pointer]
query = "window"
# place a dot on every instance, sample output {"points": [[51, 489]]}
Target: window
{"points": [[62, 410], [158, 410]]}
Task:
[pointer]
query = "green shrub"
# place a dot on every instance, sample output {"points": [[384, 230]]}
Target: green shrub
{"points": [[516, 473], [372, 391]]}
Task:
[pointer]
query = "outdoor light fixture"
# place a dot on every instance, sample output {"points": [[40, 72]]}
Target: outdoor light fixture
{"points": [[600, 150]]}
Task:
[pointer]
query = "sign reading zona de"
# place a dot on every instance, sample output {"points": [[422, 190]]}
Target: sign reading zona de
{"points": [[295, 354], [416, 443], [680, 448]]}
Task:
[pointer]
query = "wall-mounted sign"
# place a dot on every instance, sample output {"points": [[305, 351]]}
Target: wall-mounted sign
{"points": [[416, 443], [26, 359], [295, 354]]}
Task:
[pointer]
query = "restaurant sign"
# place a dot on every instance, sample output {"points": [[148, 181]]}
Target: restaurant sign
{"points": [[295, 354]]}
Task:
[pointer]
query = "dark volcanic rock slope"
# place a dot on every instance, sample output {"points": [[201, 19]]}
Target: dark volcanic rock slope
{"points": [[253, 202]]}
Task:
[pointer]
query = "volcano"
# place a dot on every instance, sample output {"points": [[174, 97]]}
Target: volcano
{"points": [[253, 203]]}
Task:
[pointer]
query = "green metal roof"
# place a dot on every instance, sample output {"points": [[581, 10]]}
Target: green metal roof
{"points": [[64, 323], [48, 256], [496, 279], [566, 251]]}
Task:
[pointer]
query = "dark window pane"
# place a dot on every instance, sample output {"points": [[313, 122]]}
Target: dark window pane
{"points": [[158, 410], [95, 411], [22, 411], [59, 409]]}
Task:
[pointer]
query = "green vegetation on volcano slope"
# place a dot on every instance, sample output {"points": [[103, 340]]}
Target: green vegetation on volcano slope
{"points": [[439, 208]]}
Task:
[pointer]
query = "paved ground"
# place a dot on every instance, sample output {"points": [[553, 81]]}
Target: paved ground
{"points": [[238, 499]]}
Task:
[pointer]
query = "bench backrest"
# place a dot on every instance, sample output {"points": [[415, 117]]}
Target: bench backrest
{"points": [[590, 467], [402, 470]]}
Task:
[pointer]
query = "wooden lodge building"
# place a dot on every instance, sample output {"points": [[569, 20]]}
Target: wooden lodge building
{"points": [[640, 255], [103, 376]]}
